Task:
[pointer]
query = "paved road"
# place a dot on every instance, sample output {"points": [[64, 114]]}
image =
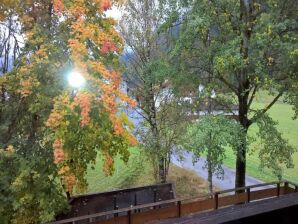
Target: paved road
{"points": [[229, 174]]}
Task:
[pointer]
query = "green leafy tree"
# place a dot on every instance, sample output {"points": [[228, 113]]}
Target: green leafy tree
{"points": [[210, 136], [245, 46], [30, 192], [147, 74], [275, 152]]}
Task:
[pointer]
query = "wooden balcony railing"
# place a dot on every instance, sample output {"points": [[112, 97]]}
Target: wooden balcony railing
{"points": [[181, 207]]}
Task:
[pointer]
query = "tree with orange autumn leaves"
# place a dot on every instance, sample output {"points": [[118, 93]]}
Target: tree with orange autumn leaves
{"points": [[94, 46], [50, 132]]}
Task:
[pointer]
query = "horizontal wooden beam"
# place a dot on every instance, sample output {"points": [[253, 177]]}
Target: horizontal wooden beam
{"points": [[249, 187]]}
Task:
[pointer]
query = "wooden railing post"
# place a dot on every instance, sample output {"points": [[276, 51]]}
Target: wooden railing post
{"points": [[90, 219], [155, 196], [115, 205], [278, 189], [286, 187], [296, 188], [129, 216], [179, 208], [216, 200], [135, 202], [248, 194]]}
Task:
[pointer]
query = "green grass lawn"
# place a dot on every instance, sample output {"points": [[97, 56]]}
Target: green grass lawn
{"points": [[282, 113], [137, 172]]}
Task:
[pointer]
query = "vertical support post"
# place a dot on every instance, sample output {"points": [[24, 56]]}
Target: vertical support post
{"points": [[286, 187], [172, 192], [115, 205], [216, 200], [179, 208], [135, 202], [296, 188], [248, 194], [129, 216], [90, 219], [155, 196], [278, 189]]}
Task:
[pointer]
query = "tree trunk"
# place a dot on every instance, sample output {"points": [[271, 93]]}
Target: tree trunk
{"points": [[154, 127], [210, 175], [241, 151], [240, 166], [243, 91], [162, 173]]}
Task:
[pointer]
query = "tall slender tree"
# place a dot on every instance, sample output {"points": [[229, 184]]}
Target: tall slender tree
{"points": [[148, 73]]}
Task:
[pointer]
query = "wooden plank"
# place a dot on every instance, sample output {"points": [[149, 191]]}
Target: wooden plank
{"points": [[156, 214], [232, 199], [282, 190], [251, 186], [124, 190], [116, 220], [197, 206], [289, 190], [286, 190], [262, 194]]}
